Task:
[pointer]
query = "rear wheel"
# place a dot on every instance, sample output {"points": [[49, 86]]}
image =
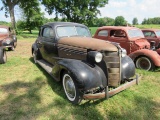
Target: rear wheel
{"points": [[3, 56], [144, 63], [71, 89]]}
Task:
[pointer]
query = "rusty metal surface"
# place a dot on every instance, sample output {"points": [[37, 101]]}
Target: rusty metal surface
{"points": [[112, 92], [66, 51], [149, 53], [88, 43]]}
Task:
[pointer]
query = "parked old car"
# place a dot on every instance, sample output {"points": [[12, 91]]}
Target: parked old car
{"points": [[7, 38], [153, 36], [132, 39], [86, 66]]}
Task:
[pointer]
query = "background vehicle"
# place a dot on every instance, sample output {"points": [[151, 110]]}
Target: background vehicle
{"points": [[8, 40], [152, 35], [132, 39], [86, 66]]}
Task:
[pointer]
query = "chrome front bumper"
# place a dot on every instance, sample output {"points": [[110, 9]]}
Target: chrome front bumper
{"points": [[110, 93]]}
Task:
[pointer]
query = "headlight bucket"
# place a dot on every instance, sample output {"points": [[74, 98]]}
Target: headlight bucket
{"points": [[94, 56], [124, 52]]}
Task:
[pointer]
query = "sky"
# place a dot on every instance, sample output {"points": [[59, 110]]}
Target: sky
{"points": [[126, 8]]}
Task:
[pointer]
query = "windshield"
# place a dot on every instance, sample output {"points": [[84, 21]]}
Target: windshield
{"points": [[72, 31], [158, 33], [135, 33], [3, 30]]}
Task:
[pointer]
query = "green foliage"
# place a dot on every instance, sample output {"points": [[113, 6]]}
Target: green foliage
{"points": [[155, 20], [135, 21], [4, 23], [80, 11], [103, 22], [120, 21], [33, 18]]}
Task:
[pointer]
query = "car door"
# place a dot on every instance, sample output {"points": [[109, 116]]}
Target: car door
{"points": [[48, 44], [120, 37]]}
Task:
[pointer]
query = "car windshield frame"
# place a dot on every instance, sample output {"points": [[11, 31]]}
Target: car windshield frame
{"points": [[135, 33], [3, 30], [157, 33], [71, 31]]}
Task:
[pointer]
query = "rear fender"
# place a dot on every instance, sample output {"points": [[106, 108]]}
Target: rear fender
{"points": [[86, 76], [154, 56]]}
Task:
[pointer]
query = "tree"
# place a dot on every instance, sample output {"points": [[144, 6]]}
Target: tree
{"points": [[81, 11], [9, 5], [120, 21], [135, 21], [32, 16]]}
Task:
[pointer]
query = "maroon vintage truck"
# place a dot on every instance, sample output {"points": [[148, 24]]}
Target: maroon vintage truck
{"points": [[7, 38], [153, 36], [133, 40]]}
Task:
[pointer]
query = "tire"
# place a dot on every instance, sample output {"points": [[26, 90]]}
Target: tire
{"points": [[36, 55], [3, 56], [144, 63], [11, 48], [71, 89]]}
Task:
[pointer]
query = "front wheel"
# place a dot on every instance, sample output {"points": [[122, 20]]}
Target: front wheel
{"points": [[36, 55], [3, 56], [70, 89], [144, 63]]}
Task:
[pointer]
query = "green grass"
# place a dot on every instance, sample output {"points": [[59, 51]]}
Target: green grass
{"points": [[28, 92], [148, 26]]}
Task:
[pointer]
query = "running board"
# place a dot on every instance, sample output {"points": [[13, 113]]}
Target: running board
{"points": [[45, 65]]}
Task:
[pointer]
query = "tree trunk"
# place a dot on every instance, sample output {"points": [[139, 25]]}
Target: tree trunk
{"points": [[11, 11]]}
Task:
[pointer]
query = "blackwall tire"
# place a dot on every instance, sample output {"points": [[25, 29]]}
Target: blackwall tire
{"points": [[70, 89], [144, 63], [3, 56], [36, 55]]}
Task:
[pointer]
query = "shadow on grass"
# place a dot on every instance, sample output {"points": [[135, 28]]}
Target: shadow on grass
{"points": [[145, 108]]}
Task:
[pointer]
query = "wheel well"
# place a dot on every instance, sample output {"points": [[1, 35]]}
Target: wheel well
{"points": [[61, 73], [32, 51]]}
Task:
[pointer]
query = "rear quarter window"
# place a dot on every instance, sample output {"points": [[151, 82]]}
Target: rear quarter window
{"points": [[103, 33]]}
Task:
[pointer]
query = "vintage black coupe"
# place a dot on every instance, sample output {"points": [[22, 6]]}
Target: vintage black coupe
{"points": [[87, 67]]}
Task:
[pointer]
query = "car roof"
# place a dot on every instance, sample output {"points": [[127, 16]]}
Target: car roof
{"points": [[118, 27], [53, 24]]}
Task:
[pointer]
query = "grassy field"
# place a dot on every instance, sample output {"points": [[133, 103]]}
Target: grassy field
{"points": [[28, 92]]}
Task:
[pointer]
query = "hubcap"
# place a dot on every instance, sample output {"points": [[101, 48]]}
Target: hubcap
{"points": [[144, 63]]}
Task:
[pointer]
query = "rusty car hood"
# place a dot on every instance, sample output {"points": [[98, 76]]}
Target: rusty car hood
{"points": [[88, 43]]}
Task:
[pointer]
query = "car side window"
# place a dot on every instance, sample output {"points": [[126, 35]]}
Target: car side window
{"points": [[48, 32], [149, 34], [103, 33], [117, 33]]}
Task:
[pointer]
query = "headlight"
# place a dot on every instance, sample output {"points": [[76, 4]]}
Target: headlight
{"points": [[98, 57], [124, 52], [8, 41], [94, 56]]}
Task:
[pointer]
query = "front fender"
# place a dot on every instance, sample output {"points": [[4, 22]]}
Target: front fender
{"points": [[34, 47], [128, 68], [154, 56], [85, 75]]}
